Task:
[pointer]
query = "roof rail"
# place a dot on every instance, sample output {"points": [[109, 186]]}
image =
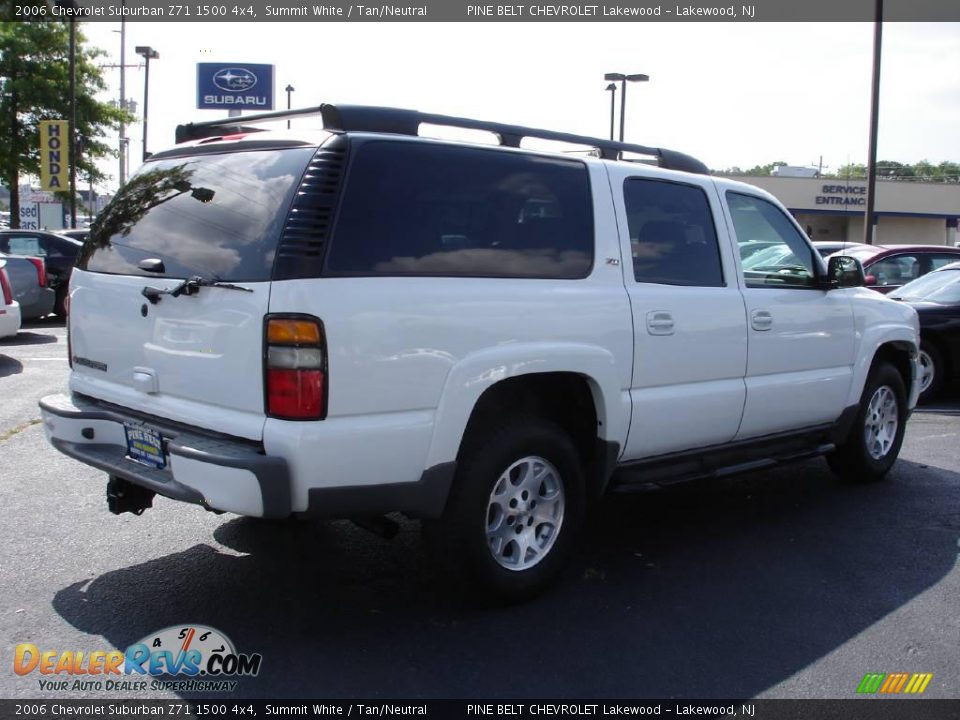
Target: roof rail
{"points": [[363, 118]]}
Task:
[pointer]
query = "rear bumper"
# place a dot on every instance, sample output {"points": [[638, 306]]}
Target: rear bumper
{"points": [[218, 473], [10, 320], [39, 306], [230, 474]]}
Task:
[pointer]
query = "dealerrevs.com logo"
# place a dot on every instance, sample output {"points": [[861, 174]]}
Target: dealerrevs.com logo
{"points": [[201, 658]]}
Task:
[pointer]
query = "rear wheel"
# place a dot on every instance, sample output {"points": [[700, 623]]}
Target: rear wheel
{"points": [[515, 512], [60, 303], [931, 370], [874, 442]]}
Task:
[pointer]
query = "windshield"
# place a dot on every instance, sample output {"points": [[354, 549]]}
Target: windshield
{"points": [[939, 287], [213, 215]]}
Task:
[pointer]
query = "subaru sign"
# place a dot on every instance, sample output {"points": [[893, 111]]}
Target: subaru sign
{"points": [[234, 86]]}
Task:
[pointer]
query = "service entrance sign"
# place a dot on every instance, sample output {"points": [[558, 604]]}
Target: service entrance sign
{"points": [[234, 86], [54, 154]]}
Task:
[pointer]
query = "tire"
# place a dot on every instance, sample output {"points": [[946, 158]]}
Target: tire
{"points": [[874, 441], [515, 511], [59, 304], [932, 371]]}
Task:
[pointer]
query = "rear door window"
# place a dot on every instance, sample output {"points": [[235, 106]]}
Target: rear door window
{"points": [[430, 209], [672, 237], [213, 215]]}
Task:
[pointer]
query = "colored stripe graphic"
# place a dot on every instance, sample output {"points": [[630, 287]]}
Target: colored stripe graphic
{"points": [[871, 682], [895, 683]]}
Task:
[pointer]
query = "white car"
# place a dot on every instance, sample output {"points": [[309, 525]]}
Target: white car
{"points": [[363, 320], [9, 308]]}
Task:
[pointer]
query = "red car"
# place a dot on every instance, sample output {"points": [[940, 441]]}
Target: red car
{"points": [[887, 267]]}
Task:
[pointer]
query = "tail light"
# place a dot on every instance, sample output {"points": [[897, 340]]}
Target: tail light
{"points": [[295, 368], [5, 285], [41, 270]]}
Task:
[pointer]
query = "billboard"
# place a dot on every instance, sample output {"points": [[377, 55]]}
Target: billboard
{"points": [[234, 86], [54, 154]]}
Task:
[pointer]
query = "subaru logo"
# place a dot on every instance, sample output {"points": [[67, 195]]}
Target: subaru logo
{"points": [[234, 79]]}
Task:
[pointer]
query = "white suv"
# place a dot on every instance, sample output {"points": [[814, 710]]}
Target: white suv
{"points": [[365, 320]]}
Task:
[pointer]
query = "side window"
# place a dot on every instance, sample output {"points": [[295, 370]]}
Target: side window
{"points": [[429, 209], [26, 245], [895, 270], [938, 261], [50, 248], [773, 252], [672, 236]]}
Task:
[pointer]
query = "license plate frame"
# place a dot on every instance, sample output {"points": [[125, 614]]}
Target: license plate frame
{"points": [[145, 446]]}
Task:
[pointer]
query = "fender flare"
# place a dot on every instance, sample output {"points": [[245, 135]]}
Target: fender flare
{"points": [[477, 372]]}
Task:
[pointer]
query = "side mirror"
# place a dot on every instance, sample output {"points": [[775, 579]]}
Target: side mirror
{"points": [[844, 271]]}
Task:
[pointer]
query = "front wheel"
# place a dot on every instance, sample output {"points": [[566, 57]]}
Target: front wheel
{"points": [[515, 511], [874, 442], [931, 371]]}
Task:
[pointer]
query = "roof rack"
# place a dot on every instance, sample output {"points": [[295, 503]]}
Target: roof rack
{"points": [[363, 118]]}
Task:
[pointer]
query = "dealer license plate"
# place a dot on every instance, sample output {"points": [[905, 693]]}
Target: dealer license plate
{"points": [[145, 446]]}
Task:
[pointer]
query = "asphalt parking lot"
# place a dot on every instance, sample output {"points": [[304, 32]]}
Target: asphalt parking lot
{"points": [[776, 584]]}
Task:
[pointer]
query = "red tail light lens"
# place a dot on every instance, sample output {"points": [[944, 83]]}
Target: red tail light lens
{"points": [[295, 369], [41, 270], [5, 285]]}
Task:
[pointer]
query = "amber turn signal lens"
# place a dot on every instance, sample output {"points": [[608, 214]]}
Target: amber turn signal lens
{"points": [[288, 332]]}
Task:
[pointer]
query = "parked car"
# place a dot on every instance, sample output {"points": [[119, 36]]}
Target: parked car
{"points": [[361, 320], [751, 247], [29, 283], [829, 247], [936, 298], [80, 234], [9, 307], [892, 266], [59, 253]]}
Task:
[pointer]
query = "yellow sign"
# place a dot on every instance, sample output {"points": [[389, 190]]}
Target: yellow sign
{"points": [[54, 154]]}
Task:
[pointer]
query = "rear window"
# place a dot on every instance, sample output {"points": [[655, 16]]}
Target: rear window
{"points": [[214, 215], [425, 209]]}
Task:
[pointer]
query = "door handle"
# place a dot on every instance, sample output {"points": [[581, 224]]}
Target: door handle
{"points": [[659, 322], [761, 320]]}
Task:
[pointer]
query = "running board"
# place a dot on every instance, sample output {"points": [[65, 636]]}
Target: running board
{"points": [[722, 460]]}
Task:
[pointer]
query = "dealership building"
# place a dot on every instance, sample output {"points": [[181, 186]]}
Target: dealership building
{"points": [[833, 209]]}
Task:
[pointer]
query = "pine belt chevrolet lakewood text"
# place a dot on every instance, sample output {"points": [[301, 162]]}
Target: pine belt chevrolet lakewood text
{"points": [[361, 320]]}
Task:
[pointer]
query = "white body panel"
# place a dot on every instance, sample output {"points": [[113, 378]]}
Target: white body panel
{"points": [[801, 346], [687, 388], [195, 359]]}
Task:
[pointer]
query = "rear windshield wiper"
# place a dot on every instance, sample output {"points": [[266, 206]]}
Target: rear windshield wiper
{"points": [[190, 286]]}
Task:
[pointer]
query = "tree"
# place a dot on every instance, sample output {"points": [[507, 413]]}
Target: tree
{"points": [[35, 77]]}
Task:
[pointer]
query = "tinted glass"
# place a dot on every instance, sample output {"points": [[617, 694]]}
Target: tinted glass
{"points": [[894, 270], [424, 209], [217, 215], [24, 245], [672, 237], [787, 261]]}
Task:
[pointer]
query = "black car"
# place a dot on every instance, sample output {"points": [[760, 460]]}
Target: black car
{"points": [[936, 298], [59, 252]]}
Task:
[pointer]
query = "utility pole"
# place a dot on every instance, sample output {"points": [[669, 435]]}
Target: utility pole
{"points": [[869, 218], [123, 98]]}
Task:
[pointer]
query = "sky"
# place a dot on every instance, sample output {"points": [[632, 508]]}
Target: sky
{"points": [[730, 94]]}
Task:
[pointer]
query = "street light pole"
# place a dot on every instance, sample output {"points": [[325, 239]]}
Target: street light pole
{"points": [[148, 54], [623, 80], [289, 89], [612, 87], [73, 122]]}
